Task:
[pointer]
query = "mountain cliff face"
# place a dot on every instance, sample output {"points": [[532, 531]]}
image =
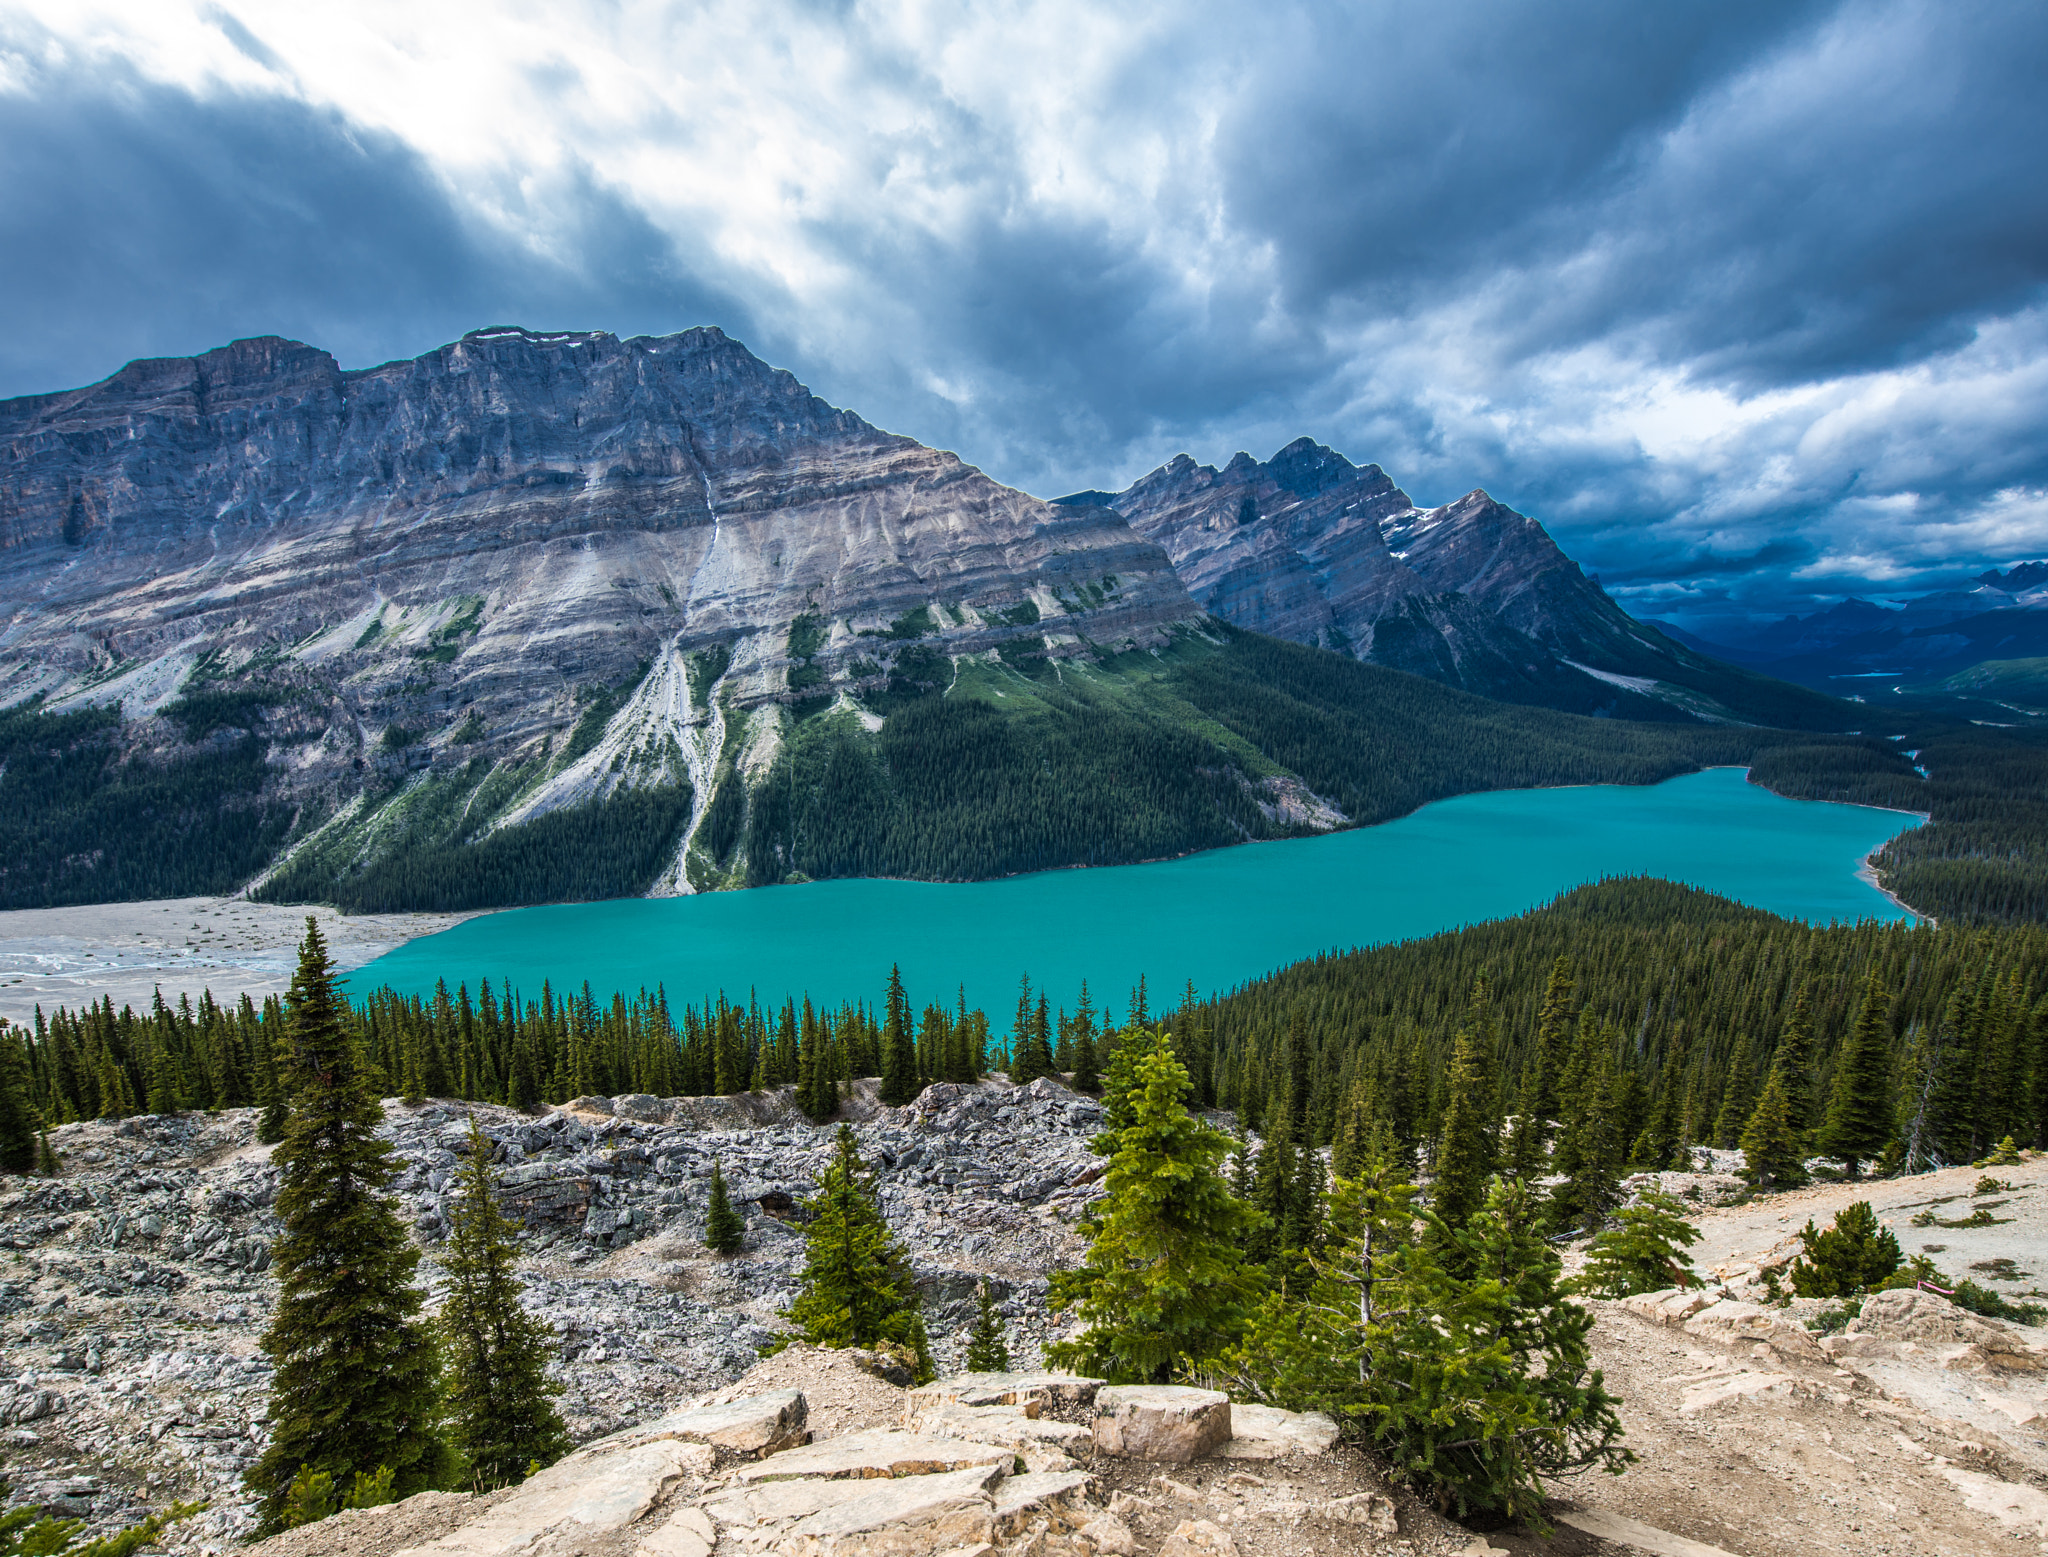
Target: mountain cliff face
{"points": [[1309, 546], [577, 560]]}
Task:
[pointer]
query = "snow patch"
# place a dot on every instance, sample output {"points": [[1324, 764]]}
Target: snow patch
{"points": [[1645, 684]]}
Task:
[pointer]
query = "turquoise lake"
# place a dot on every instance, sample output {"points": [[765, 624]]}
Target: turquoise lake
{"points": [[1218, 918]]}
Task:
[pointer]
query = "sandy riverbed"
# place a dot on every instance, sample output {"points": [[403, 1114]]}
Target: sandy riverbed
{"points": [[68, 956]]}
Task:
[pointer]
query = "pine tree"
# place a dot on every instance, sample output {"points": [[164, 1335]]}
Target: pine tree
{"points": [[1590, 1149], [355, 1386], [857, 1287], [500, 1417], [1164, 1286], [46, 1156], [1772, 1158], [17, 1117], [1859, 1118], [724, 1228], [1644, 1252], [899, 1064], [987, 1350]]}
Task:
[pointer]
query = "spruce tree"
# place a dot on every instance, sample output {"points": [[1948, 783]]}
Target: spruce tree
{"points": [[1771, 1148], [857, 1287], [1087, 1076], [899, 1064], [500, 1417], [1590, 1149], [1859, 1117], [1465, 1148], [1854, 1255], [17, 1118], [355, 1387], [1643, 1252], [1553, 1041], [724, 1229], [987, 1349], [46, 1156], [1163, 1287], [1738, 1094], [1795, 1059]]}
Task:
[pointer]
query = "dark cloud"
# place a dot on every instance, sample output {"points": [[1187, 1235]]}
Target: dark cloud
{"points": [[1748, 301], [140, 220]]}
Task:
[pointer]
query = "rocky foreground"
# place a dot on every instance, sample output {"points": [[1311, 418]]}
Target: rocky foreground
{"points": [[134, 1287]]}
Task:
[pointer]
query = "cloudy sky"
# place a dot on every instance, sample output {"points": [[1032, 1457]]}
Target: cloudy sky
{"points": [[1744, 300]]}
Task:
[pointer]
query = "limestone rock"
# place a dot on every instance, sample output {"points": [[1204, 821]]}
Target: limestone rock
{"points": [[1370, 1509], [592, 1490], [689, 1532], [1109, 1534], [919, 1515], [1161, 1422], [877, 1452], [1198, 1538], [753, 1426], [1906, 1314], [1267, 1433], [1055, 1394], [1722, 1391], [1059, 1496]]}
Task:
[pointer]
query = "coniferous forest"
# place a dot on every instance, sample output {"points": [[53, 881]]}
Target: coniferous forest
{"points": [[1665, 1010]]}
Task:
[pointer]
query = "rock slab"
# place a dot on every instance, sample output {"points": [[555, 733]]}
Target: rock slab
{"points": [[1161, 1422]]}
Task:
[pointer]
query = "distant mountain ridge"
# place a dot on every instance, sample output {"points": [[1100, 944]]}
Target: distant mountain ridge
{"points": [[545, 615], [1311, 547]]}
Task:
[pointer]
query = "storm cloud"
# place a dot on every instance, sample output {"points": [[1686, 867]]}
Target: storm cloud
{"points": [[1745, 301]]}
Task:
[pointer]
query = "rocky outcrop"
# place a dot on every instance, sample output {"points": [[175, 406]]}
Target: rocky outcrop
{"points": [[1309, 546]]}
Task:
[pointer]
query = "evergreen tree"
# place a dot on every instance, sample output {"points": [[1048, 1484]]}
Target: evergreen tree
{"points": [[1772, 1158], [46, 1157], [1738, 1094], [1855, 1255], [1475, 1388], [500, 1417], [1087, 1077], [1859, 1117], [1469, 1139], [28, 1532], [1163, 1287], [857, 1287], [1794, 1060], [1553, 1041], [724, 1229], [1644, 1252], [987, 1350], [1590, 1149], [899, 1065], [17, 1117], [355, 1385]]}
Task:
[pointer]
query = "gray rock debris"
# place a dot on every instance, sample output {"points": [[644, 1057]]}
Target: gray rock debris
{"points": [[133, 1289]]}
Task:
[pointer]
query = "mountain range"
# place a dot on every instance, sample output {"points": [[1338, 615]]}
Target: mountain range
{"points": [[542, 615]]}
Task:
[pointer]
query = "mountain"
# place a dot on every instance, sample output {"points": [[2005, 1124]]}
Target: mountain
{"points": [[546, 616], [1310, 547]]}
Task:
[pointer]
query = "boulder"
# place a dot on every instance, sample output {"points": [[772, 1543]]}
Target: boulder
{"points": [[1373, 1510], [878, 1452], [1906, 1314], [1163, 1422], [1015, 1426], [1267, 1433], [640, 1106], [751, 1428], [1729, 1322]]}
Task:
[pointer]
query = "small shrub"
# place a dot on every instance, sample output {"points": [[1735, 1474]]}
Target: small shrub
{"points": [[1988, 1185], [1833, 1319], [1992, 1305], [1644, 1253], [372, 1489], [2004, 1155], [1853, 1256], [308, 1500]]}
